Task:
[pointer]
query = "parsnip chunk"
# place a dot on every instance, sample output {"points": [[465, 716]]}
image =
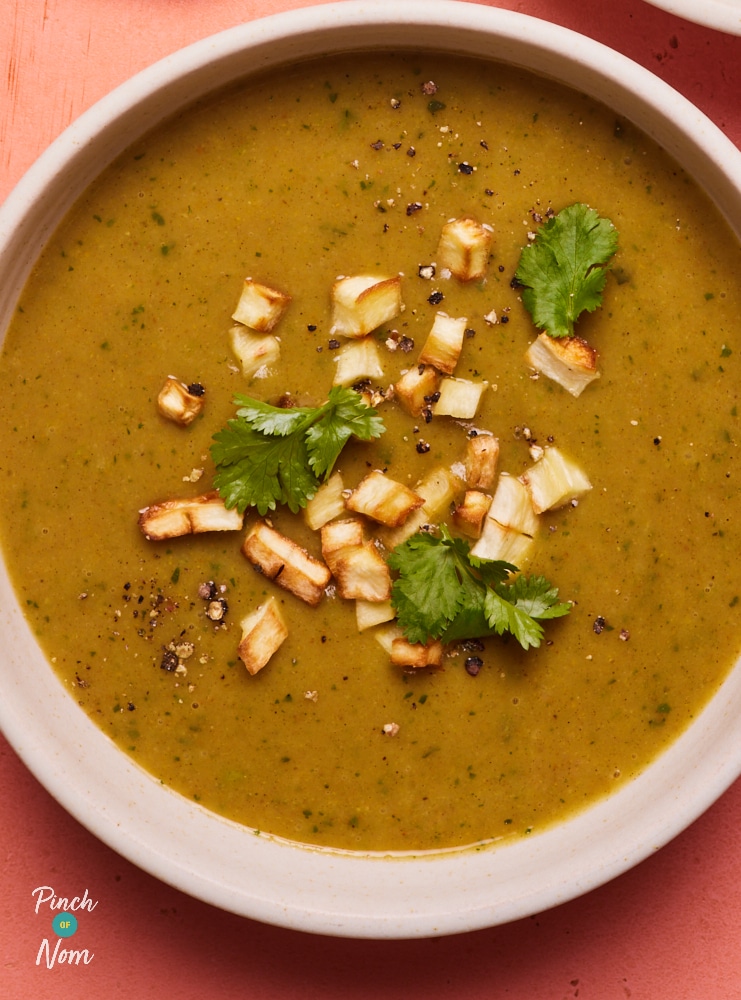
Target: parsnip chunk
{"points": [[280, 559], [383, 499], [362, 303], [464, 248], [469, 516], [438, 489], [416, 387], [416, 654], [512, 506], [263, 631], [555, 480], [498, 542], [459, 398], [368, 614], [444, 343], [179, 403], [361, 573], [254, 351], [188, 516], [327, 503], [260, 307], [339, 535], [482, 456], [570, 361], [357, 360]]}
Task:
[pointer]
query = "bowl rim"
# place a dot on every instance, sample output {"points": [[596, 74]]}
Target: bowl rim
{"points": [[263, 877], [723, 15]]}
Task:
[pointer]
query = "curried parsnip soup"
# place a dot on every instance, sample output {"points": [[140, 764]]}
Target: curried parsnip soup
{"points": [[348, 167]]}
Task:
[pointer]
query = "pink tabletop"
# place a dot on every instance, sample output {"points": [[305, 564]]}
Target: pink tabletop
{"points": [[670, 928]]}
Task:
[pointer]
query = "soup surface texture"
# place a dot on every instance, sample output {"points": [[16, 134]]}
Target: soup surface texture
{"points": [[352, 166]]}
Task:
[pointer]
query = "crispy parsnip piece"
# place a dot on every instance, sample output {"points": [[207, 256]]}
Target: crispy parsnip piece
{"points": [[339, 535], [327, 503], [459, 398], [263, 631], [416, 388], [470, 516], [482, 456], [260, 307], [512, 505], [554, 480], [438, 490], [368, 614], [416, 654], [444, 343], [361, 573], [188, 516], [497, 542], [570, 361], [179, 402], [284, 562], [464, 248], [253, 350], [357, 360], [361, 303], [383, 499]]}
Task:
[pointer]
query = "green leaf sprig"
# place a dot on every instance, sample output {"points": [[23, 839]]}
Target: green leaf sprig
{"points": [[563, 270], [443, 592], [269, 455]]}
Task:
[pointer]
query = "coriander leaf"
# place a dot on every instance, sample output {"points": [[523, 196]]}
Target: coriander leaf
{"points": [[269, 455], [430, 590], [344, 415], [273, 420], [254, 470], [537, 597], [563, 271], [443, 592]]}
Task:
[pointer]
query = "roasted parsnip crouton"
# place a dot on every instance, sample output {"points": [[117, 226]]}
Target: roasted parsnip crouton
{"points": [[280, 559], [554, 480], [512, 505], [464, 248], [361, 573], [497, 542], [444, 343], [383, 499], [339, 535], [482, 455], [416, 654], [438, 489], [416, 388], [327, 503], [459, 398], [361, 303], [469, 516], [180, 403], [570, 361], [263, 631], [260, 307], [357, 360], [253, 350], [368, 614], [188, 516]]}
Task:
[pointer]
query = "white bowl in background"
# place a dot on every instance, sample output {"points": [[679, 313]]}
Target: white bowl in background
{"points": [[178, 841], [723, 15]]}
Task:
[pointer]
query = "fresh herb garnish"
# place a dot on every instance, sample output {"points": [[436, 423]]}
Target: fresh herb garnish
{"points": [[563, 270], [443, 592], [269, 455]]}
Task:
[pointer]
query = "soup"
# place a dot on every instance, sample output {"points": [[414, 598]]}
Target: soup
{"points": [[353, 166]]}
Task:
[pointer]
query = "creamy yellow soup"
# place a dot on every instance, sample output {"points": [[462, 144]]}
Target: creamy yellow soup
{"points": [[347, 167]]}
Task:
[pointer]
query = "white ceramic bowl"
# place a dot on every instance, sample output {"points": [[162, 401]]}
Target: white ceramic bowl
{"points": [[723, 15], [195, 850]]}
